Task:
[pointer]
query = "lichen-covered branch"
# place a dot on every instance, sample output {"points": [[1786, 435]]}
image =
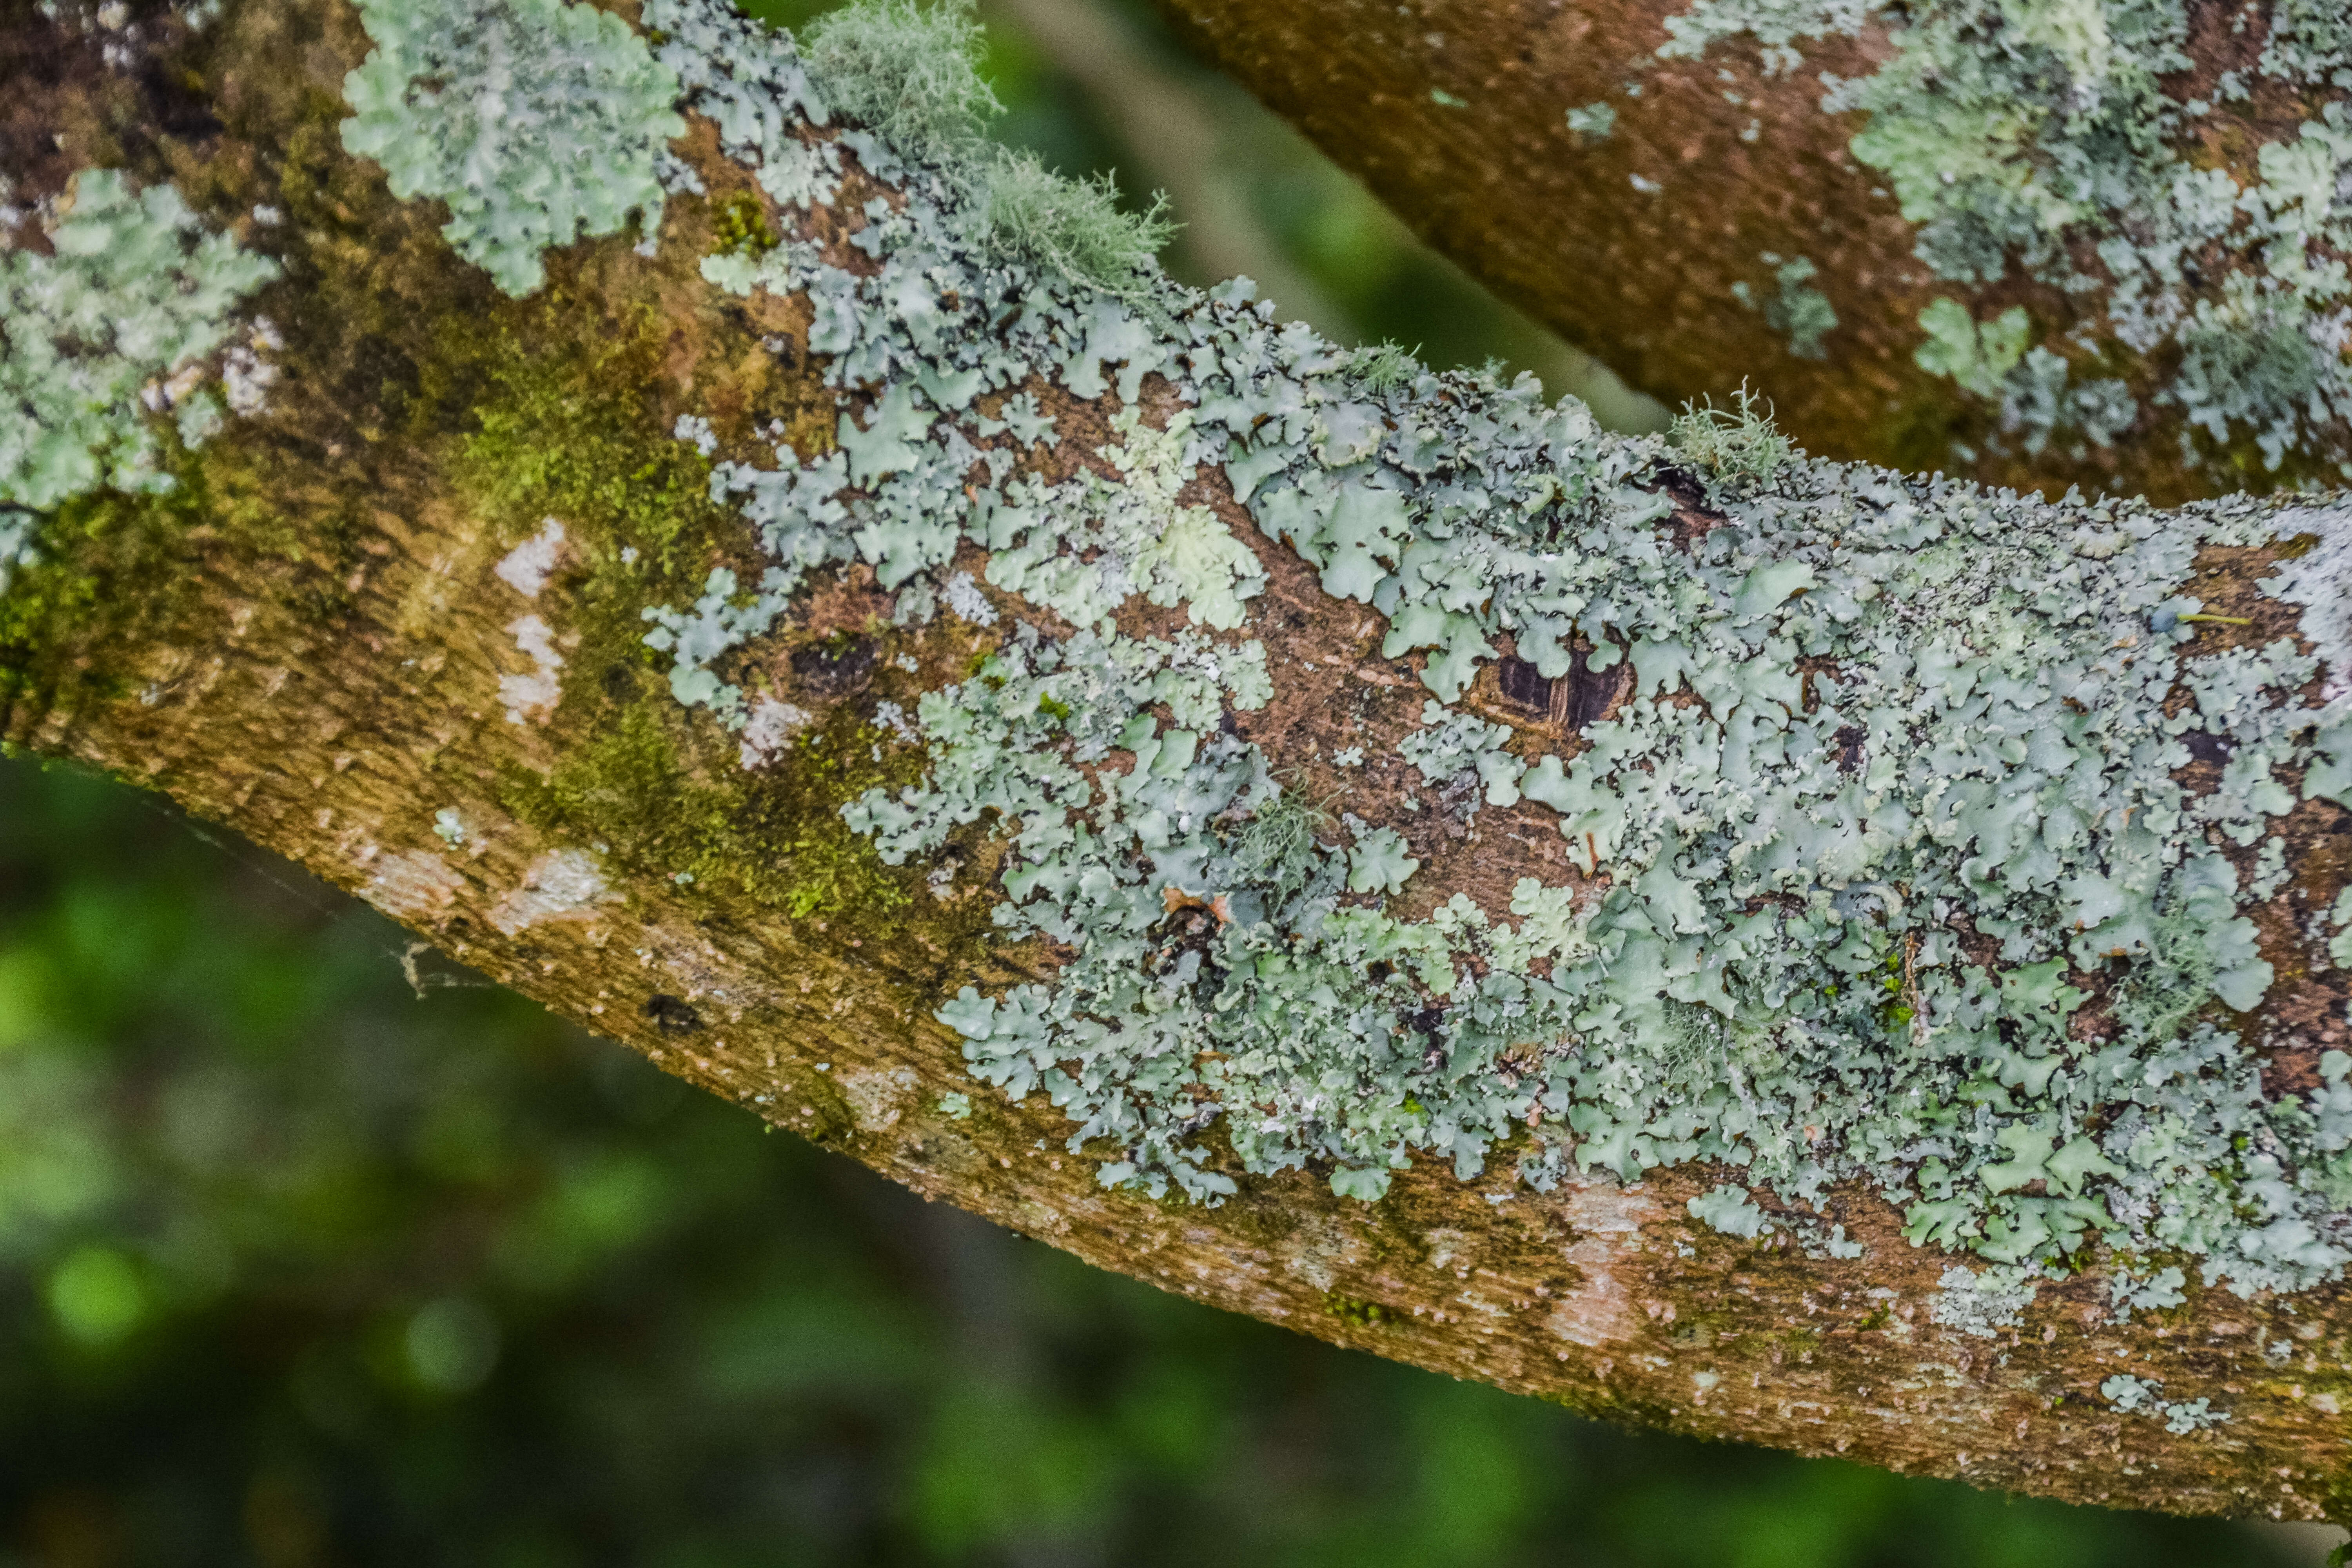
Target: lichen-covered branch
{"points": [[1787, 950], [2043, 242]]}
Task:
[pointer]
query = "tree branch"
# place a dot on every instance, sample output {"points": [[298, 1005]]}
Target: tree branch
{"points": [[1951, 236], [1721, 939]]}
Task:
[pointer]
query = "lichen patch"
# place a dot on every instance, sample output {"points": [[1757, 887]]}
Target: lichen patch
{"points": [[1601, 1308], [413, 884], [527, 567], [561, 884], [531, 697]]}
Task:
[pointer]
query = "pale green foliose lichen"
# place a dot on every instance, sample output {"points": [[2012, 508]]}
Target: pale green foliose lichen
{"points": [[1898, 768], [1729, 1209], [2145, 1396], [1452, 746], [2129, 1293], [103, 335], [537, 122], [1798, 310], [1593, 121], [1983, 1303], [1976, 355], [2050, 136]]}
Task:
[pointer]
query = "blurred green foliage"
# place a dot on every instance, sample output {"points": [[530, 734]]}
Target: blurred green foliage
{"points": [[307, 1260]]}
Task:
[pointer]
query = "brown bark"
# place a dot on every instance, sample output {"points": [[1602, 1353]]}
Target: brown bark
{"points": [[1642, 278], [306, 643]]}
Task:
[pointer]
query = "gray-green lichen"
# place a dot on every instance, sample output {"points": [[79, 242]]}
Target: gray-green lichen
{"points": [[2052, 137], [1889, 873], [1593, 121], [1737, 445], [1796, 310], [105, 336], [537, 121], [2145, 1396]]}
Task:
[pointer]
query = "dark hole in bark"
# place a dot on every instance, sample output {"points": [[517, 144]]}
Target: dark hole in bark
{"points": [[672, 1014], [2206, 747], [1524, 688], [1849, 746], [836, 666], [1577, 701], [1591, 692]]}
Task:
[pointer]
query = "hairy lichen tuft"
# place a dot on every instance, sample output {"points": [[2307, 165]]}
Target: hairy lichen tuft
{"points": [[905, 70], [1737, 445], [1075, 227]]}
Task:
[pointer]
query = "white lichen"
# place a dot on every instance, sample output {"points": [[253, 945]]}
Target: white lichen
{"points": [[412, 885], [530, 696], [527, 567], [562, 884], [1982, 1302], [768, 731]]}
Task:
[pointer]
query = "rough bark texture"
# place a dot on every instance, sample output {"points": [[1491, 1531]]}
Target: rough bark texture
{"points": [[306, 642], [1631, 244]]}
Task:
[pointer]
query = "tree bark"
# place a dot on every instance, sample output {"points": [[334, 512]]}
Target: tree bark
{"points": [[1655, 245], [323, 638]]}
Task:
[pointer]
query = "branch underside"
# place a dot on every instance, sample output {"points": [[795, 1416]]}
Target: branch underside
{"points": [[393, 625]]}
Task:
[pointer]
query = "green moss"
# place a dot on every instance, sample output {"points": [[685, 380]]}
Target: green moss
{"points": [[112, 572], [1356, 1312], [572, 427], [44, 600], [740, 227], [774, 839]]}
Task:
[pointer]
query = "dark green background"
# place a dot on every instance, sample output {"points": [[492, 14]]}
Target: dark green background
{"points": [[301, 1266]]}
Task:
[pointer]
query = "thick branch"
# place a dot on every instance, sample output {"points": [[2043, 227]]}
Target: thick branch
{"points": [[391, 622]]}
